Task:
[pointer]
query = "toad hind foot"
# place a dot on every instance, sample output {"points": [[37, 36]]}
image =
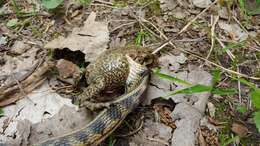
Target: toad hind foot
{"points": [[92, 90]]}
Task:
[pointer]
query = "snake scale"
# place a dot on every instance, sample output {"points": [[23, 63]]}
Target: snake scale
{"points": [[111, 117]]}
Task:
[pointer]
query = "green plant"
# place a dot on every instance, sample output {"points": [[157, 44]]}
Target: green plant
{"points": [[12, 23], [1, 2], [110, 140], [1, 112], [255, 96], [226, 140], [85, 2], [141, 35], [51, 4], [142, 2], [241, 109], [257, 120], [249, 7], [171, 78], [16, 8], [18, 11], [197, 88], [242, 4], [119, 4]]}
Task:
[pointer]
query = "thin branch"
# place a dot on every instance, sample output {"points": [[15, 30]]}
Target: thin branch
{"points": [[213, 25], [122, 25], [221, 67], [239, 87]]}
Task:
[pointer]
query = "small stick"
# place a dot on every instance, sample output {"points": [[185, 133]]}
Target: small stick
{"points": [[213, 25], [122, 25], [223, 68], [239, 87], [169, 40]]}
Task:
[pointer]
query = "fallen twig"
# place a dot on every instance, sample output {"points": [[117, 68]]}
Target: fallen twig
{"points": [[213, 25]]}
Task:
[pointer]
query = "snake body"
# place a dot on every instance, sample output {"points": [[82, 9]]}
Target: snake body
{"points": [[109, 118]]}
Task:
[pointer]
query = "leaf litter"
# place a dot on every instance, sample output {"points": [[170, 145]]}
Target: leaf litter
{"points": [[91, 39], [43, 108], [189, 109]]}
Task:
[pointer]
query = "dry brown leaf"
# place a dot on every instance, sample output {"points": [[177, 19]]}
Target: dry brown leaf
{"points": [[34, 106], [239, 129], [201, 3], [233, 30], [168, 4], [91, 39], [16, 133], [60, 124], [153, 134]]}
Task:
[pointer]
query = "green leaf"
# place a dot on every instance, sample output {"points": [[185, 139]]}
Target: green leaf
{"points": [[231, 140], [194, 89], [224, 91], [1, 3], [119, 4], [253, 7], [171, 78], [241, 109], [138, 39], [255, 97], [249, 84], [216, 76], [141, 35], [85, 2], [12, 23], [51, 4], [257, 120], [110, 140], [1, 112]]}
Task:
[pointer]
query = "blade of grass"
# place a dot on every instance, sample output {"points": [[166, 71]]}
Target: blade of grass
{"points": [[231, 140], [224, 91], [193, 89], [257, 120], [241, 109], [110, 140], [16, 8], [216, 76], [203, 88], [249, 84], [171, 78], [1, 112], [255, 97]]}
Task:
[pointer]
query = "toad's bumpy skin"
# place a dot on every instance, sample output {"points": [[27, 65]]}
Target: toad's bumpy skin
{"points": [[109, 71], [103, 73]]}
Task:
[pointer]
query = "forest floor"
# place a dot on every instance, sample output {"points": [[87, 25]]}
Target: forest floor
{"points": [[203, 91]]}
